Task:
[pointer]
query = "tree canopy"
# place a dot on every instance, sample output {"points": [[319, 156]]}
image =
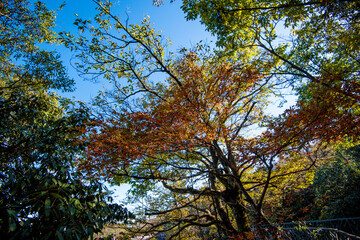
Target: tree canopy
{"points": [[42, 195], [190, 131]]}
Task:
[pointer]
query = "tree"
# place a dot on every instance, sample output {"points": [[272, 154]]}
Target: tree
{"points": [[335, 186], [42, 196], [187, 134], [38, 182], [23, 63]]}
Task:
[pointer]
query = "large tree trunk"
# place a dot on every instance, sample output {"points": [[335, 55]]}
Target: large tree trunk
{"points": [[234, 200], [230, 197]]}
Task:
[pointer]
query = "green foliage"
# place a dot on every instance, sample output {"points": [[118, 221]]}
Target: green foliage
{"points": [[313, 40], [334, 193], [38, 183], [240, 24], [23, 26], [336, 186], [22, 63], [42, 196]]}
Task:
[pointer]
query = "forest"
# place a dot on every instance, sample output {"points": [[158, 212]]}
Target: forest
{"points": [[194, 133]]}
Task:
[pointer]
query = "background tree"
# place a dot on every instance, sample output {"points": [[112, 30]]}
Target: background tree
{"points": [[42, 196], [335, 185], [333, 192]]}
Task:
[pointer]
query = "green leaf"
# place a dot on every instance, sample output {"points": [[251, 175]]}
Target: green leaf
{"points": [[59, 235], [47, 207], [12, 225]]}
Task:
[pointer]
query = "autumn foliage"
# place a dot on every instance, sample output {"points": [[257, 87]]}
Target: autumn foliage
{"points": [[202, 107], [328, 110]]}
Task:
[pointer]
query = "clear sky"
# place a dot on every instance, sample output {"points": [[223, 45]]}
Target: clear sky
{"points": [[168, 18]]}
